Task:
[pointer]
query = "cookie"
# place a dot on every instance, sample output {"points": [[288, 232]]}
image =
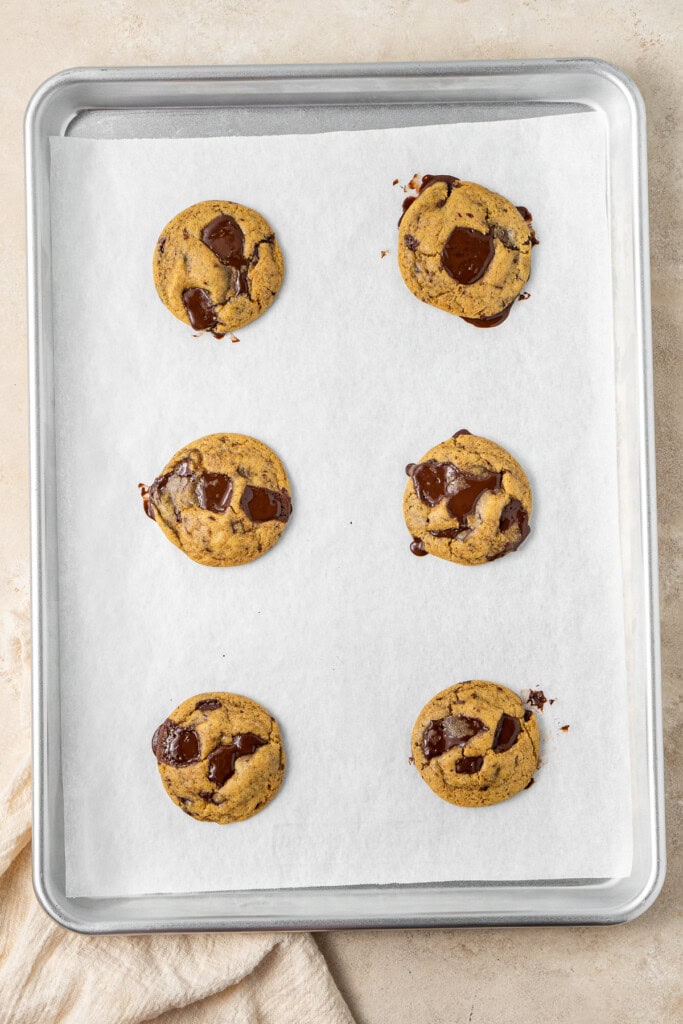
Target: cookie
{"points": [[217, 266], [223, 500], [464, 249], [220, 757], [476, 744], [467, 501]]}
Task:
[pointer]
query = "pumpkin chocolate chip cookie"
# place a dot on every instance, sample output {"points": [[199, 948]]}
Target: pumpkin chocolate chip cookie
{"points": [[467, 501], [464, 249], [475, 744], [220, 757], [223, 500], [217, 266]]}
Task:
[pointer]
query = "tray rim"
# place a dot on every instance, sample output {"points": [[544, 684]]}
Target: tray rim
{"points": [[65, 910]]}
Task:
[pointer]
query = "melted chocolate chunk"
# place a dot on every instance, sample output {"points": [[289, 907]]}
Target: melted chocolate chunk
{"points": [[528, 715], [263, 505], [435, 481], [211, 490], [225, 238], [183, 468], [468, 765], [411, 241], [489, 321], [222, 759], [536, 699], [174, 745], [432, 179], [199, 308], [152, 494], [529, 783], [210, 704], [214, 491], [408, 201], [528, 218], [417, 547], [443, 734], [144, 494], [462, 503], [459, 433], [467, 254], [507, 731], [514, 512]]}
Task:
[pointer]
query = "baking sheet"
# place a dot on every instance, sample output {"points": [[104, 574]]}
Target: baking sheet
{"points": [[339, 631]]}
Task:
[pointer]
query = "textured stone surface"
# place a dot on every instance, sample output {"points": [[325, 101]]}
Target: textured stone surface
{"points": [[627, 973]]}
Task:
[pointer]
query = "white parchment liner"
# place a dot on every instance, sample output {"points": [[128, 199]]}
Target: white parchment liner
{"points": [[339, 631]]}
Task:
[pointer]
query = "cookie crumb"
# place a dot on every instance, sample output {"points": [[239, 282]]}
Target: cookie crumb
{"points": [[395, 181], [411, 760], [234, 339], [414, 183], [524, 296], [535, 699], [384, 252], [564, 728]]}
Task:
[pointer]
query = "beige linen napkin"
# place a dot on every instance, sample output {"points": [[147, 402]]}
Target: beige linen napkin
{"points": [[49, 975]]}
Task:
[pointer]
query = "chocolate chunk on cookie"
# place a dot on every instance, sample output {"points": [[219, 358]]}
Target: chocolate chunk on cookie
{"points": [[217, 266], [475, 744], [223, 500], [467, 501], [220, 757], [464, 249]]}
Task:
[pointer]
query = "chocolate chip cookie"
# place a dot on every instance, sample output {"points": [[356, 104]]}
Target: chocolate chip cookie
{"points": [[476, 744], [467, 501], [220, 757], [217, 266], [464, 249], [223, 500]]}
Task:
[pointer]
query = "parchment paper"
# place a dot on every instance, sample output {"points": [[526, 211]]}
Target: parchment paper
{"points": [[339, 630]]}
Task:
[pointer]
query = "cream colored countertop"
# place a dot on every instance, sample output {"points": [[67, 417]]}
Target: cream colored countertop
{"points": [[628, 973]]}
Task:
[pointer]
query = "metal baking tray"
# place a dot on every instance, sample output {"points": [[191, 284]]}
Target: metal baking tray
{"points": [[218, 101]]}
